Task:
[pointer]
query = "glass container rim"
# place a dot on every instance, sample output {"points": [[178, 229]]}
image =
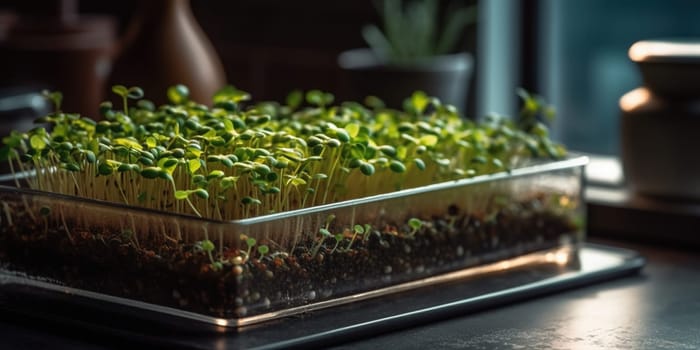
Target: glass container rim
{"points": [[571, 161]]}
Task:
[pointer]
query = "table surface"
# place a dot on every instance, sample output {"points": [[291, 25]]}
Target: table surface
{"points": [[656, 309]]}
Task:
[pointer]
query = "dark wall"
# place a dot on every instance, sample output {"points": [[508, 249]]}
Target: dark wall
{"points": [[268, 47]]}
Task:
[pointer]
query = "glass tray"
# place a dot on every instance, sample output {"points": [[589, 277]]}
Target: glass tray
{"points": [[215, 272]]}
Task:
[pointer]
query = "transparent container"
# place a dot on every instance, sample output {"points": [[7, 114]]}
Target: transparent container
{"points": [[246, 271]]}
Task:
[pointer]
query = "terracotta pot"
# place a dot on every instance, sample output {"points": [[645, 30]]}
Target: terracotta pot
{"points": [[164, 46], [445, 77], [660, 121]]}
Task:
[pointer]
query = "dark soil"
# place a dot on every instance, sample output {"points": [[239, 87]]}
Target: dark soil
{"points": [[177, 274]]}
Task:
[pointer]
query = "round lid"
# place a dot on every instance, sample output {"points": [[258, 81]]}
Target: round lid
{"points": [[674, 50]]}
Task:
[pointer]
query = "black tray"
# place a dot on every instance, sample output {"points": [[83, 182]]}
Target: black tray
{"points": [[120, 324]]}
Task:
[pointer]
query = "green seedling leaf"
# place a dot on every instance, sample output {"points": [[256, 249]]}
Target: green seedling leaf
{"points": [[227, 162], [124, 167], [329, 219], [352, 130], [228, 182], [105, 108], [295, 181], [406, 127], [367, 168], [150, 172], [479, 160], [281, 164], [415, 223], [370, 152], [178, 94], [374, 102], [419, 100], [444, 162], [319, 98], [294, 99], [314, 97], [90, 157], [215, 174], [120, 90], [273, 190], [397, 167], [343, 135], [247, 200], [166, 175], [180, 194], [146, 105], [72, 167], [540, 130], [354, 163], [178, 153], [333, 143], [261, 169], [145, 161], [231, 95], [104, 169], [388, 150], [168, 163], [261, 153], [55, 97], [201, 193], [207, 245], [37, 142], [428, 140], [129, 143], [135, 93]]}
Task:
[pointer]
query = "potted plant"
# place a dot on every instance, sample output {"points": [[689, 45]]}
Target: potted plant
{"points": [[412, 52], [245, 212]]}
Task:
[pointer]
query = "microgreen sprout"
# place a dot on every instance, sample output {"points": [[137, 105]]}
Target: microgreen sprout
{"points": [[125, 93], [324, 234], [415, 224], [356, 230], [240, 159], [208, 247], [263, 250], [338, 238], [367, 231], [55, 97]]}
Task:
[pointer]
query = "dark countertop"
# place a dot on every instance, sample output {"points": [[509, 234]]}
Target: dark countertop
{"points": [[657, 309]]}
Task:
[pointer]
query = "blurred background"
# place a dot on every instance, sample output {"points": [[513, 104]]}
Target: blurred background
{"points": [[573, 53]]}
